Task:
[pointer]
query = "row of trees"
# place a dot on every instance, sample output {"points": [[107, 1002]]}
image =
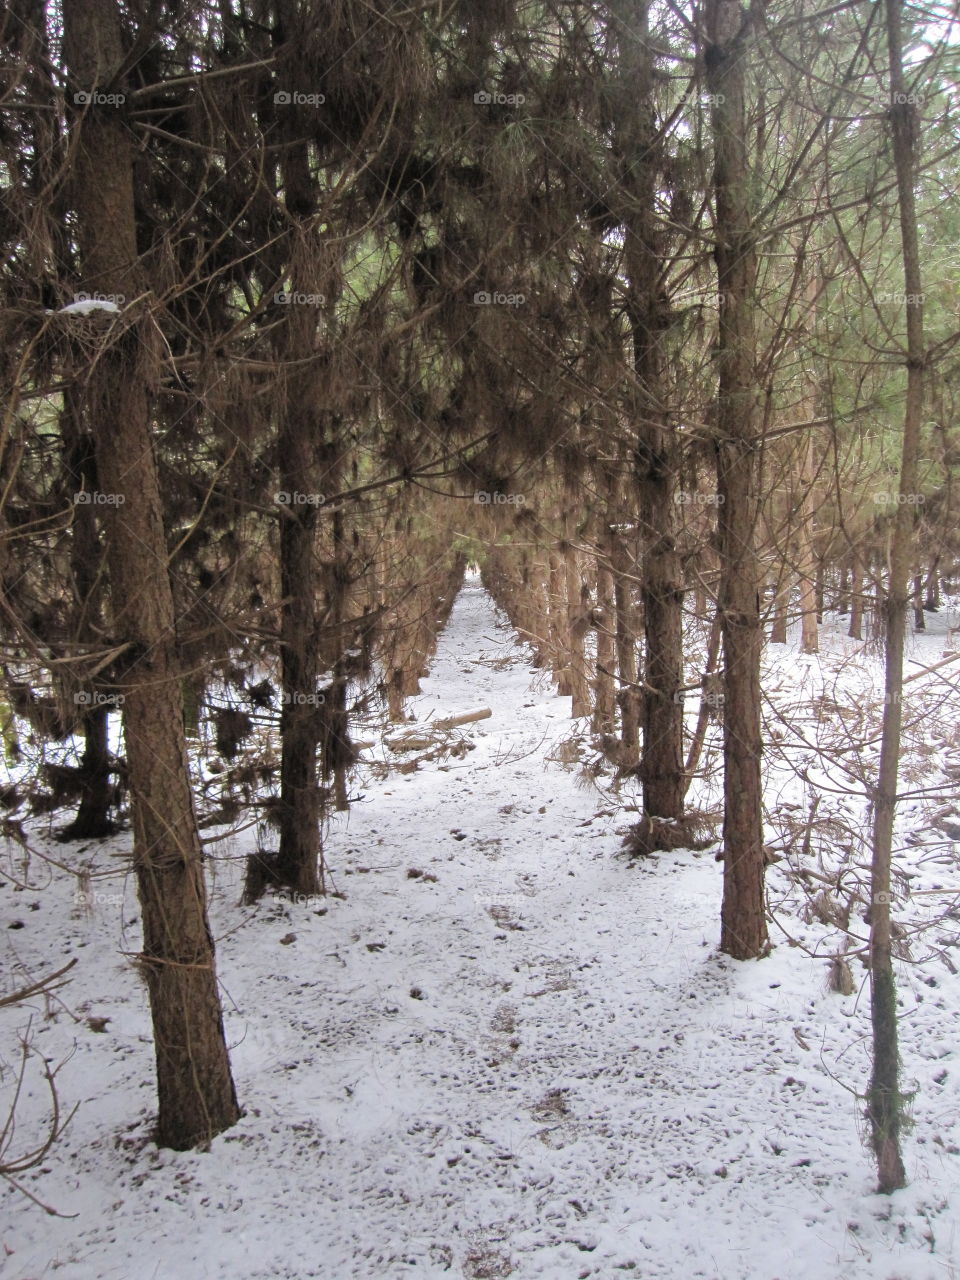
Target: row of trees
{"points": [[304, 303]]}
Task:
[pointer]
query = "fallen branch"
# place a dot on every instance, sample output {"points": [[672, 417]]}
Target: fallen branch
{"points": [[42, 987], [11, 1165]]}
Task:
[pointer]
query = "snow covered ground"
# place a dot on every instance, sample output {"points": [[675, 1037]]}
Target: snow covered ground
{"points": [[504, 1050]]}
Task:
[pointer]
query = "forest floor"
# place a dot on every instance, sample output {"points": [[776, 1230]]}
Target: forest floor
{"points": [[502, 1049]]}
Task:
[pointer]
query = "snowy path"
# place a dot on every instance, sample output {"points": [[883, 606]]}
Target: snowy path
{"points": [[524, 1059]]}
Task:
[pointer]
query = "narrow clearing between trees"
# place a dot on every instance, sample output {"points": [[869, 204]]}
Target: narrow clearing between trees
{"points": [[503, 1051]]}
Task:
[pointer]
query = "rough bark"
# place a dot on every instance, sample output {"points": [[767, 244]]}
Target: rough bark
{"points": [[656, 455], [302, 429], [743, 923], [195, 1090], [297, 865]]}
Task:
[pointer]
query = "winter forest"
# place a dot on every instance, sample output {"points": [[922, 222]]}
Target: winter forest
{"points": [[479, 639]]}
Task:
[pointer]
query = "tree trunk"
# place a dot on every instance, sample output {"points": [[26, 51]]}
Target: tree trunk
{"points": [[919, 622], [297, 865], [810, 567], [301, 450], [743, 921], [536, 613], [781, 601], [707, 702], [192, 690], [337, 754], [843, 589], [855, 630], [92, 819], [656, 453], [661, 762], [197, 1099], [818, 590], [604, 705], [97, 791], [626, 646], [932, 601], [885, 1103], [810, 614], [577, 610], [560, 659], [395, 697]]}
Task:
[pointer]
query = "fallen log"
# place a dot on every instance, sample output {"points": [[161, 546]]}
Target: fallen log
{"points": [[468, 717], [431, 732]]}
